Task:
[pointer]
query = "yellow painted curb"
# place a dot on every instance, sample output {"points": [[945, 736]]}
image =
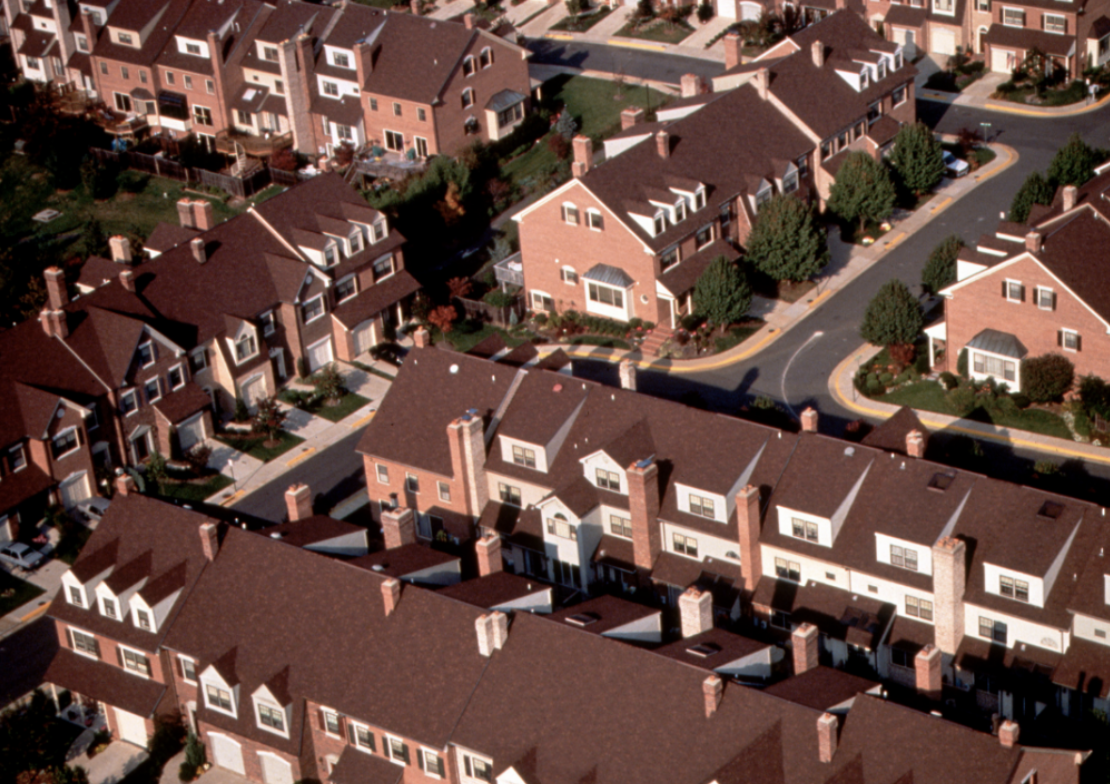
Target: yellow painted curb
{"points": [[814, 302], [1005, 165], [634, 45], [895, 241], [301, 456], [35, 612], [950, 427], [939, 97], [559, 37], [234, 496], [364, 420], [941, 206]]}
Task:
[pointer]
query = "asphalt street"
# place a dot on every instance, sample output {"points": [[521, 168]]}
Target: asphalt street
{"points": [[635, 63]]}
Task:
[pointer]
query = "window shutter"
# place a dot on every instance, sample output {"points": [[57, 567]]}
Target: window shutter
{"points": [[1022, 288], [1078, 342], [469, 767], [351, 733], [1059, 337], [405, 753], [1054, 300], [439, 766], [69, 636], [119, 655], [1004, 290]]}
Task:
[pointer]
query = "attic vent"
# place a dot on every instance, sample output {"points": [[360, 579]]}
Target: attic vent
{"points": [[585, 619], [1051, 510], [849, 451], [704, 650], [941, 482]]}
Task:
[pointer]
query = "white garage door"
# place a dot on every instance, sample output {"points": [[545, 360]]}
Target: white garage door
{"points": [[319, 354], [942, 41], [1002, 61], [75, 489], [275, 770], [726, 9], [364, 337], [191, 432], [253, 390], [227, 753], [131, 728]]}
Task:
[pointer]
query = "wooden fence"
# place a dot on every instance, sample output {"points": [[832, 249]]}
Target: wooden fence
{"points": [[160, 166], [478, 310]]}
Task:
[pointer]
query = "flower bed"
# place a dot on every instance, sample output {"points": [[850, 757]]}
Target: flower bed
{"points": [[696, 338], [573, 327]]}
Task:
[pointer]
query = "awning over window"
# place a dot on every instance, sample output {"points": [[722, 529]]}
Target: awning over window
{"points": [[1002, 343], [610, 276]]}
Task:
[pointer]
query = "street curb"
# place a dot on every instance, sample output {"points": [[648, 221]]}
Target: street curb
{"points": [[841, 379], [634, 45], [1003, 108]]}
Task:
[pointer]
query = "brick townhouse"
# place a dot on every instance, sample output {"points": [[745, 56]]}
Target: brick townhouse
{"points": [[416, 686], [146, 358], [629, 238], [1032, 289], [890, 557]]}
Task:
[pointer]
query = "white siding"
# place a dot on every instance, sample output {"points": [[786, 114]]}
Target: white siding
{"points": [[992, 573], [824, 525], [591, 464], [708, 546], [507, 445], [924, 552], [1084, 628], [1018, 630], [720, 505]]}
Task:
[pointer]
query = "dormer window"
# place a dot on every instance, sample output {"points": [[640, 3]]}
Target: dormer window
{"points": [[702, 506], [346, 288], [75, 597], [108, 609], [660, 222], [84, 644], [668, 258], [570, 214], [383, 268], [340, 59], [790, 182], [245, 348], [192, 49], [146, 354], [557, 525], [217, 698], [1013, 589], [152, 389], [142, 617], [608, 480], [699, 199], [680, 211], [864, 81], [125, 39], [524, 457], [905, 557], [331, 258], [897, 60], [764, 194], [270, 53], [882, 69], [17, 460], [65, 442], [271, 717], [355, 242]]}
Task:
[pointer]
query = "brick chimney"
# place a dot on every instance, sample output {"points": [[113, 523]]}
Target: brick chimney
{"points": [[643, 505], [817, 49], [59, 323], [809, 420], [216, 53], [761, 80], [733, 46], [492, 630], [422, 338], [1008, 733], [125, 484], [127, 280], [120, 248], [298, 502], [467, 443], [696, 610], [398, 527], [202, 215], [949, 581], [631, 117], [804, 640], [468, 21], [488, 549], [199, 252], [209, 541], [56, 293], [714, 689], [691, 85], [298, 99], [627, 372], [827, 725], [583, 155], [1033, 242], [1071, 194], [663, 144], [747, 524], [915, 443], [500, 629], [391, 595], [47, 322], [927, 674], [185, 214], [364, 61]]}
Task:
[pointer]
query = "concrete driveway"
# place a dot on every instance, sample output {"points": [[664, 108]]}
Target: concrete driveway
{"points": [[113, 764]]}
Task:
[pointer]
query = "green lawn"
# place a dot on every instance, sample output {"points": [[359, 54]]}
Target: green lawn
{"points": [[737, 335], [348, 404], [22, 592], [1074, 93], [930, 396], [582, 23], [467, 334], [597, 103], [660, 32], [254, 445], [196, 492]]}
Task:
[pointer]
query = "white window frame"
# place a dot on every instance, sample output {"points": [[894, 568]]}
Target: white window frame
{"points": [[130, 394], [354, 291], [249, 336], [469, 66], [568, 275], [73, 632], [105, 602], [76, 442], [444, 491], [1063, 24], [387, 747], [219, 708], [202, 356], [1009, 283], [182, 658], [339, 724], [571, 215], [269, 323], [259, 705], [323, 310], [1010, 9], [352, 737], [382, 468], [153, 356], [1064, 335], [180, 368], [17, 449], [146, 390], [123, 651], [421, 754], [591, 214], [75, 594]]}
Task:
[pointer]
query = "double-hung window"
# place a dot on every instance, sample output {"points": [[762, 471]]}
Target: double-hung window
{"points": [[804, 529], [135, 662], [508, 494], [992, 630], [346, 289], [176, 377], [331, 722], [686, 545], [383, 268], [152, 390], [17, 459], [904, 557], [85, 643], [570, 214], [245, 347], [217, 698], [608, 480], [271, 717], [1014, 589], [143, 618], [788, 570], [477, 768], [702, 506], [398, 751], [431, 763], [313, 309], [361, 737], [65, 442], [919, 608], [524, 457], [383, 474]]}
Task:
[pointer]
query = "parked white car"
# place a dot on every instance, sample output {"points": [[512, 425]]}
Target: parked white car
{"points": [[92, 509], [955, 167], [20, 555]]}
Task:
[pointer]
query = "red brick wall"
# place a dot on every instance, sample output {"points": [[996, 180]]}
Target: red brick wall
{"points": [[407, 123], [251, 764], [109, 649], [548, 244], [508, 72], [197, 95], [980, 306], [113, 81], [455, 519]]}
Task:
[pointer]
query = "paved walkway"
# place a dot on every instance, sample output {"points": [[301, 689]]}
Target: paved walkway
{"points": [[318, 434], [111, 765], [604, 32], [845, 393], [847, 262]]}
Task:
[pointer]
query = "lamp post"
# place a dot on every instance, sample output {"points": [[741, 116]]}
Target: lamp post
{"points": [[234, 481]]}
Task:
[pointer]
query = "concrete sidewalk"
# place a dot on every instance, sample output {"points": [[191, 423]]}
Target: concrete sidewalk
{"points": [[844, 392], [604, 32], [318, 434], [847, 262]]}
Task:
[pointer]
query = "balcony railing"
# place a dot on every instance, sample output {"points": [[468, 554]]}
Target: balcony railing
{"points": [[510, 271], [255, 146]]}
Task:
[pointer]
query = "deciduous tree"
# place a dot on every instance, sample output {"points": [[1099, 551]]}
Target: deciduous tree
{"points": [[722, 293], [863, 190], [940, 269], [917, 157], [893, 316], [786, 243]]}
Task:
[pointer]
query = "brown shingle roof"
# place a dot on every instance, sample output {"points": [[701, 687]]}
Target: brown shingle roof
{"points": [[494, 589], [105, 682], [404, 561], [821, 688]]}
